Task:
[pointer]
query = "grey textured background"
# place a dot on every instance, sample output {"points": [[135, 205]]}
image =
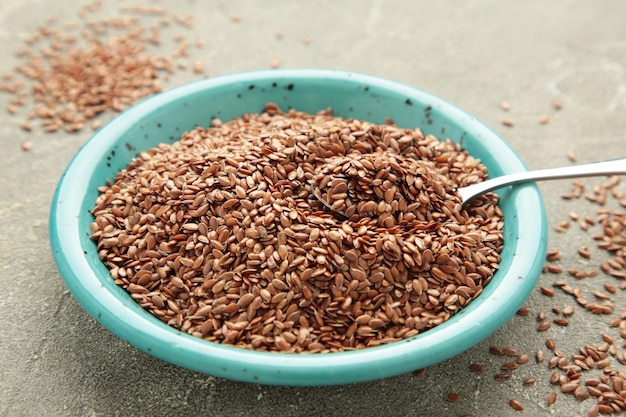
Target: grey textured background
{"points": [[57, 361]]}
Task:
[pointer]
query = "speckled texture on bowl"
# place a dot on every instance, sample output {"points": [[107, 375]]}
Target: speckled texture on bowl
{"points": [[164, 117]]}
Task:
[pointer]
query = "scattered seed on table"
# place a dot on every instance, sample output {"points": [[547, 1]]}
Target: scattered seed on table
{"points": [[476, 367], [66, 93], [561, 321], [543, 119], [453, 397], [554, 269], [571, 155], [516, 405], [509, 351], [583, 251], [509, 366], [553, 255], [551, 398], [508, 122], [539, 356], [496, 350]]}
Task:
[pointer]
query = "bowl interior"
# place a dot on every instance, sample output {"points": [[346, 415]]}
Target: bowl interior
{"points": [[163, 118]]}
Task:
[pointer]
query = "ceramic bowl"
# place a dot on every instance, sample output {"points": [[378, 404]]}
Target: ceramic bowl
{"points": [[162, 118]]}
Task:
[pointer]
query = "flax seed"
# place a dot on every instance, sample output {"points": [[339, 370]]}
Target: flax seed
{"points": [[539, 356], [529, 381], [543, 325], [453, 397], [510, 351], [476, 367], [516, 405], [551, 398], [261, 262], [121, 71]]}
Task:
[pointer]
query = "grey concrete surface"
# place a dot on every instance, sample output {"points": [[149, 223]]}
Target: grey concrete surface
{"points": [[55, 360]]}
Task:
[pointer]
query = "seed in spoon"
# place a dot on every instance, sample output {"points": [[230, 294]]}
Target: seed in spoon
{"points": [[381, 185]]}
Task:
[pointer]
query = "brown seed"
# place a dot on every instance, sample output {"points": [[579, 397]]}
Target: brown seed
{"points": [[505, 106], [273, 267], [539, 355], [553, 255], [551, 398], [476, 367], [508, 122], [583, 251], [453, 397], [543, 119], [543, 325], [509, 366], [557, 105], [547, 291], [571, 155], [496, 350], [561, 321], [569, 387], [516, 405], [509, 351]]}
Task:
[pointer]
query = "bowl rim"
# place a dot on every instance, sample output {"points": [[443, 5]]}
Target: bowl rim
{"points": [[162, 341]]}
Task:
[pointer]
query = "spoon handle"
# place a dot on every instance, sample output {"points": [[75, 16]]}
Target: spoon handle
{"points": [[611, 167]]}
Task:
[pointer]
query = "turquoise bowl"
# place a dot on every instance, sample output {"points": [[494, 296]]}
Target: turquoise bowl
{"points": [[162, 118]]}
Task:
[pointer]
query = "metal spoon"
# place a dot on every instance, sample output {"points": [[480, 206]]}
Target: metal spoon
{"points": [[468, 193], [611, 167]]}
